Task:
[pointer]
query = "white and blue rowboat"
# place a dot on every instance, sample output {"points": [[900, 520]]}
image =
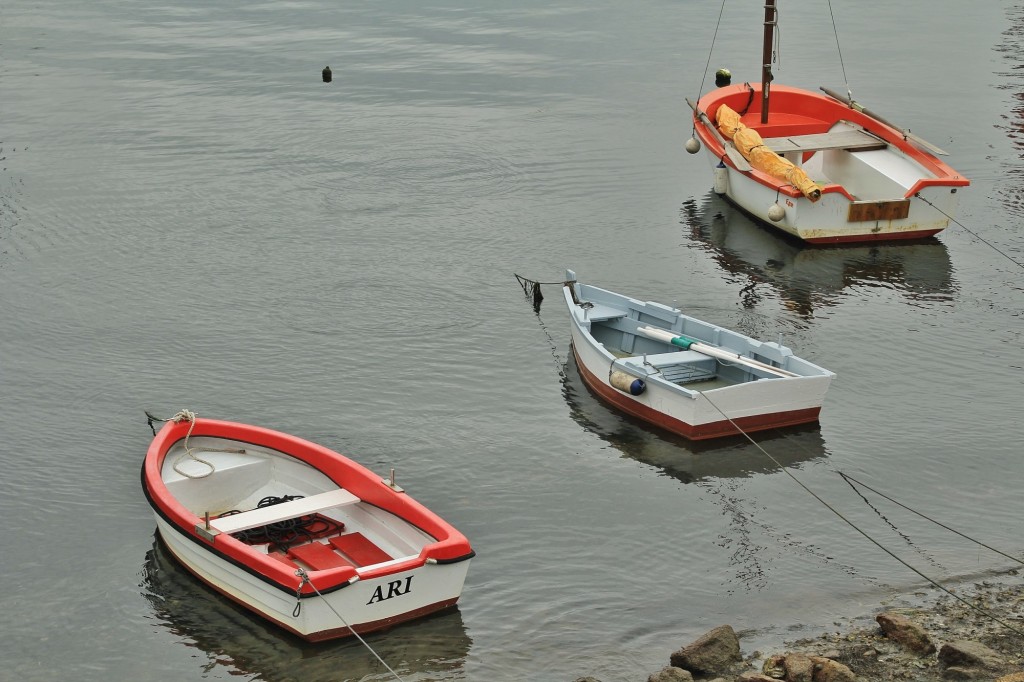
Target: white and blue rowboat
{"points": [[682, 374]]}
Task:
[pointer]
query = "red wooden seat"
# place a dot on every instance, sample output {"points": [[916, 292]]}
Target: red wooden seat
{"points": [[318, 556], [359, 549], [283, 559]]}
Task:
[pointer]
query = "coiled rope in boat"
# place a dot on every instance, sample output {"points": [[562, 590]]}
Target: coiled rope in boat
{"points": [[190, 416]]}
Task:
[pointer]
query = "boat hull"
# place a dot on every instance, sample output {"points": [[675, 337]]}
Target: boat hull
{"points": [[893, 193], [686, 420], [426, 590], [699, 409], [367, 556]]}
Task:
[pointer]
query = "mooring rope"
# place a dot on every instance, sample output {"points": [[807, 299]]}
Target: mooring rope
{"points": [[306, 581], [532, 288], [851, 481], [973, 233], [835, 511], [190, 416]]}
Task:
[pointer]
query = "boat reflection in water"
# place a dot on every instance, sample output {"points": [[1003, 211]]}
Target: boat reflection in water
{"points": [[434, 647], [807, 277], [687, 460]]}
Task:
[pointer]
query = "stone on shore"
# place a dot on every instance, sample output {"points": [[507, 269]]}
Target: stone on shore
{"points": [[968, 654], [671, 674], [713, 653], [905, 632], [798, 667]]}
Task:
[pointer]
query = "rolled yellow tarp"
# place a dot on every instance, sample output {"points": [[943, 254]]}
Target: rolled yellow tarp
{"points": [[753, 149]]}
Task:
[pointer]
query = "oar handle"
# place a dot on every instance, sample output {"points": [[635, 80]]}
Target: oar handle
{"points": [[711, 351]]}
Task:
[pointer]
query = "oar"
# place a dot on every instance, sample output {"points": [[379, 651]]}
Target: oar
{"points": [[906, 133], [691, 344], [734, 154]]}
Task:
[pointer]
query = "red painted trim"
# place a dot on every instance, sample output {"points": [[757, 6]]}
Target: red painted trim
{"points": [[817, 114], [717, 429]]}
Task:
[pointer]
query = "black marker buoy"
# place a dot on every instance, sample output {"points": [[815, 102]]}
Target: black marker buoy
{"points": [[327, 74]]}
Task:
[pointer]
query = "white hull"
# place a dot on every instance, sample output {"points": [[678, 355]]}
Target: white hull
{"points": [[428, 586], [825, 221]]}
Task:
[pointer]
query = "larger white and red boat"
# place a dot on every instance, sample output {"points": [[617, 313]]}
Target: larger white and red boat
{"points": [[821, 167], [297, 533], [685, 375]]}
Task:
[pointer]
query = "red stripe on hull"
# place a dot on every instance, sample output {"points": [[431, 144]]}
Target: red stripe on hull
{"points": [[717, 429], [324, 635]]}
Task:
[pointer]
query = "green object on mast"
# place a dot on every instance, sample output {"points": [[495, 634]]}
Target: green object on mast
{"points": [[683, 341]]}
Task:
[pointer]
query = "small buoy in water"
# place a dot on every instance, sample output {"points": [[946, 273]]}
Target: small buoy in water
{"points": [[693, 145], [776, 213], [327, 74], [627, 383]]}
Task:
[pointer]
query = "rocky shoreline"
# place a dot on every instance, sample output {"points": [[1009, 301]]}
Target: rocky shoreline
{"points": [[941, 641]]}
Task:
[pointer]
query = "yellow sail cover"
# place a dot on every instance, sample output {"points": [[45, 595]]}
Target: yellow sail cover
{"points": [[754, 150]]}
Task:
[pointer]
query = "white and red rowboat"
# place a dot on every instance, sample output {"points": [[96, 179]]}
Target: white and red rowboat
{"points": [[297, 533], [682, 374], [859, 177]]}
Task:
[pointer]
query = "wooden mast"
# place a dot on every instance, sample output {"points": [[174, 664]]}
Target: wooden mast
{"points": [[770, 19]]}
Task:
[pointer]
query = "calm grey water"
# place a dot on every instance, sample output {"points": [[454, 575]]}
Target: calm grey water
{"points": [[190, 218]]}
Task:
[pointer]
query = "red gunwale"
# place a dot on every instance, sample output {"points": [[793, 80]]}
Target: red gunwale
{"points": [[694, 432], [817, 114], [451, 545]]}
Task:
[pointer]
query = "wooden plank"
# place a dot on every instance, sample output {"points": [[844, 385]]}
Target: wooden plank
{"points": [[285, 510], [360, 549], [598, 312], [840, 139], [318, 556], [866, 211]]}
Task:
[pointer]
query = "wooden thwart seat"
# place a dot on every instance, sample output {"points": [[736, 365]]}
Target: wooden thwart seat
{"points": [[851, 139], [598, 312], [360, 549], [281, 512]]}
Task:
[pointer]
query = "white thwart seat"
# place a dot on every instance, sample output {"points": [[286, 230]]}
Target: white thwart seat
{"points": [[599, 312], [286, 510]]}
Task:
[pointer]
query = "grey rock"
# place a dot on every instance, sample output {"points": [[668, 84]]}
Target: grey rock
{"points": [[671, 674], [905, 632], [966, 653], [713, 653]]}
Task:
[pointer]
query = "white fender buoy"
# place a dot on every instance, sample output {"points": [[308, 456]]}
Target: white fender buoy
{"points": [[627, 383], [776, 212], [693, 145], [721, 179]]}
